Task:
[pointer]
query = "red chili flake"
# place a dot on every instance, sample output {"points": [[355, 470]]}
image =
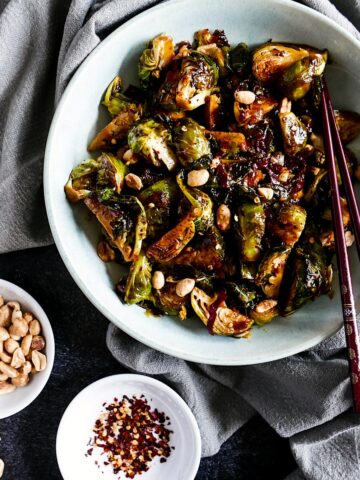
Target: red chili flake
{"points": [[131, 434]]}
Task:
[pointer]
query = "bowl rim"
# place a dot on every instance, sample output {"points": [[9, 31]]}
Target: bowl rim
{"points": [[171, 395], [34, 392], [102, 308]]}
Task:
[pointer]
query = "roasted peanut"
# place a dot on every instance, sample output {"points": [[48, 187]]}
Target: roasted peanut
{"points": [[133, 181], [1, 301], [223, 217], [16, 315], [26, 344], [39, 360], [34, 327], [265, 305], [265, 192], [245, 96], [197, 178], [14, 305], [5, 316], [184, 287], [285, 106], [19, 328], [26, 368], [3, 377], [11, 372], [21, 380], [38, 343], [4, 334], [6, 387], [28, 317], [158, 280], [18, 358], [5, 357], [11, 345]]}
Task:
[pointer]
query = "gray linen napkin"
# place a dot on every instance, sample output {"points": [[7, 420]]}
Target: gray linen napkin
{"points": [[305, 397]]}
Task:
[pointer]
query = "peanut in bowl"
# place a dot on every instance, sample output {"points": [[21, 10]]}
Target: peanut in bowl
{"points": [[27, 349]]}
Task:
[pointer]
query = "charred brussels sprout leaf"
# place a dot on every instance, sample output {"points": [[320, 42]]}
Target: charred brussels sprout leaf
{"points": [[115, 101], [241, 296], [156, 57], [198, 199], [190, 142], [219, 319], [289, 224], [348, 124], [271, 271], [294, 133], [167, 299], [111, 172], [250, 231], [271, 59], [82, 180], [152, 140], [138, 283], [197, 77], [160, 201], [240, 58], [171, 244], [307, 276]]}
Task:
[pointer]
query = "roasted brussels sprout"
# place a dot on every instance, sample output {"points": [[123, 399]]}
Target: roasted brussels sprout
{"points": [[307, 276], [271, 59], [216, 46], [296, 81], [318, 175], [82, 180], [160, 202], [157, 56], [264, 312], [271, 271], [240, 58], [293, 132], [198, 199], [241, 296], [111, 172], [348, 124], [250, 229], [171, 244], [168, 301], [190, 142], [229, 142], [197, 78], [117, 129], [289, 224], [123, 219], [152, 140], [138, 282], [254, 113], [218, 318], [115, 101]]}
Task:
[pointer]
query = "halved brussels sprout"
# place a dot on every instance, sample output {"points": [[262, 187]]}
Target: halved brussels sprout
{"points": [[197, 77], [264, 312], [218, 318], [271, 271], [111, 172], [317, 177], [250, 230], [271, 59], [294, 133], [348, 124], [168, 301], [296, 81], [307, 276], [160, 202], [254, 113], [217, 50], [115, 101], [205, 37], [157, 56], [289, 224], [152, 140], [240, 58], [123, 219], [82, 180], [117, 129], [198, 199], [190, 142], [171, 244], [229, 142], [138, 282]]}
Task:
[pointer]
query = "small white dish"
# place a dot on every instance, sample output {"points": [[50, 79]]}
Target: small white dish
{"points": [[20, 398], [75, 430]]}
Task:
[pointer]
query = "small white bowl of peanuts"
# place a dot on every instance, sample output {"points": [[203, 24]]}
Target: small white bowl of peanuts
{"points": [[27, 349]]}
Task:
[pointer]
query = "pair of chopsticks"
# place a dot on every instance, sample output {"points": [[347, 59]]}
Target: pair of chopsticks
{"points": [[331, 134]]}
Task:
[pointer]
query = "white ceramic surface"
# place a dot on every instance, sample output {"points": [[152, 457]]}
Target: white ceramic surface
{"points": [[76, 425], [79, 116], [20, 398]]}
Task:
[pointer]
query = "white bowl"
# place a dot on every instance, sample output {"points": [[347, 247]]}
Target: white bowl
{"points": [[79, 116], [76, 426], [20, 398]]}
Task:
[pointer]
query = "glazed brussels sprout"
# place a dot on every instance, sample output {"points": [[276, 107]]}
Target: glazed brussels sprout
{"points": [[216, 46], [82, 180], [289, 224], [190, 142], [250, 229], [218, 318], [111, 172], [241, 295], [240, 58], [160, 202], [271, 59], [156, 57], [296, 81], [294, 133], [168, 301], [348, 124], [254, 113], [198, 199], [197, 77], [271, 271], [115, 101], [152, 139], [264, 312], [138, 282], [171, 244]]}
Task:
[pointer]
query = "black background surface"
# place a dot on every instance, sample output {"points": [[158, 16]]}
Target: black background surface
{"points": [[28, 438]]}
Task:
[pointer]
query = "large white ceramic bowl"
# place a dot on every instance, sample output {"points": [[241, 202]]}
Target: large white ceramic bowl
{"points": [[79, 116]]}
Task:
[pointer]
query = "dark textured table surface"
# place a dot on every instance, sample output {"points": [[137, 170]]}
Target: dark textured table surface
{"points": [[28, 438]]}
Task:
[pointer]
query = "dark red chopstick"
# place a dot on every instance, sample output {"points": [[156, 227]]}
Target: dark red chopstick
{"points": [[344, 171], [347, 297]]}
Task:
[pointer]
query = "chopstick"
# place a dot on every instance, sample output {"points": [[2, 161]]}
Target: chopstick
{"points": [[347, 297], [344, 171]]}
